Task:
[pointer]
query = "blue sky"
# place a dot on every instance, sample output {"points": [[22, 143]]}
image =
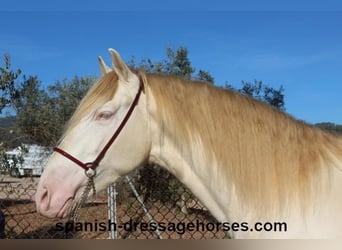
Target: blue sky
{"points": [[301, 50]]}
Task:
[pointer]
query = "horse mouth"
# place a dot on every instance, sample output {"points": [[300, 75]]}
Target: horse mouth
{"points": [[66, 208]]}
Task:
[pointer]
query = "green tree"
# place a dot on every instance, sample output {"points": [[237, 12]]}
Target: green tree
{"points": [[8, 78], [329, 126], [204, 76], [177, 63], [31, 111], [262, 92], [41, 114], [8, 93], [66, 94]]}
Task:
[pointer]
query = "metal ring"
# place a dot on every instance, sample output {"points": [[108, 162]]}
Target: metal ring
{"points": [[90, 172]]}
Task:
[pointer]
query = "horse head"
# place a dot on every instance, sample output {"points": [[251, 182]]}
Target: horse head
{"points": [[108, 133]]}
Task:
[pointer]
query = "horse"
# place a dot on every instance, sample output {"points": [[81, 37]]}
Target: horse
{"points": [[248, 163]]}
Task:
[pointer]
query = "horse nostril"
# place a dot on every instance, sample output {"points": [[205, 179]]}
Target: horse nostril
{"points": [[43, 201]]}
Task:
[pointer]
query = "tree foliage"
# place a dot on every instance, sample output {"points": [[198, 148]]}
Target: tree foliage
{"points": [[8, 92], [262, 92], [30, 110], [42, 113], [8, 89], [177, 63], [329, 126]]}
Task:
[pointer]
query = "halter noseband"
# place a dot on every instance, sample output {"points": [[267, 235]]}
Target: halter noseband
{"points": [[90, 167]]}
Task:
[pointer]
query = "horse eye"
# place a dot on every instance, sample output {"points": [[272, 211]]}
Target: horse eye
{"points": [[106, 115]]}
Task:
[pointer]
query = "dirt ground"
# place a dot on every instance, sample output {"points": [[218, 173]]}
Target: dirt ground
{"points": [[22, 221]]}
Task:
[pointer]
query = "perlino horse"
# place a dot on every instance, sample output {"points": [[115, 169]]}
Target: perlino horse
{"points": [[245, 161]]}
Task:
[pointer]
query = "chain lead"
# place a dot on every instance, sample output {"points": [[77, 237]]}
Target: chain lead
{"points": [[75, 213], [90, 185]]}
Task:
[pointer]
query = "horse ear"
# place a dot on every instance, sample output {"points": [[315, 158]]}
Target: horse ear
{"points": [[103, 67], [119, 66]]}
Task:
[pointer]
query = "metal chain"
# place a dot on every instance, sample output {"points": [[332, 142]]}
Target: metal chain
{"points": [[75, 213], [90, 173], [90, 185]]}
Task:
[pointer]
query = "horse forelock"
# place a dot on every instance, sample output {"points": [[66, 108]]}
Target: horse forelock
{"points": [[100, 93]]}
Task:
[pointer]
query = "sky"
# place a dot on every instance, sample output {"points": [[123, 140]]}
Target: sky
{"points": [[296, 48]]}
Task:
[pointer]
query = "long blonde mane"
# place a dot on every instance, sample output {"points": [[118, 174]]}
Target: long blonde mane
{"points": [[266, 155]]}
